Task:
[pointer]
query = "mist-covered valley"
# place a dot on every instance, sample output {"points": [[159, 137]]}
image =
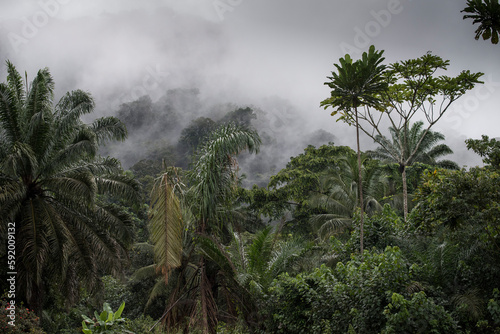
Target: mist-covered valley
{"points": [[170, 129]]}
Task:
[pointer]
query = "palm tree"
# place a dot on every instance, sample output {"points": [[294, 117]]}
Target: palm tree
{"points": [[50, 179], [248, 269], [357, 84], [414, 149], [487, 14], [338, 194], [212, 186]]}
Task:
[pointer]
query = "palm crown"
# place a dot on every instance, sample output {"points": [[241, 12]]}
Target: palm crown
{"points": [[427, 152], [356, 83], [50, 179]]}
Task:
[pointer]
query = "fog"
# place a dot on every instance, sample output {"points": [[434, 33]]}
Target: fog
{"points": [[273, 56]]}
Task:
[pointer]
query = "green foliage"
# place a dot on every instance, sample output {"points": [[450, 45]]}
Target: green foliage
{"points": [[417, 315], [143, 114], [21, 319], [196, 133], [240, 116], [356, 84], [143, 324], [213, 177], [115, 292], [494, 307], [105, 322], [291, 187], [380, 231], [412, 87], [337, 195], [460, 198], [487, 14], [204, 209], [333, 300], [302, 304], [320, 182], [488, 149], [414, 146], [223, 328]]}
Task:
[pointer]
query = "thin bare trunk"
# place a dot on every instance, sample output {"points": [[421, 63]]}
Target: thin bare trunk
{"points": [[360, 185], [405, 192]]}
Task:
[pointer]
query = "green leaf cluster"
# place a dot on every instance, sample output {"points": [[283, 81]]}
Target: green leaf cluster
{"points": [[327, 300], [486, 13], [105, 322], [417, 315]]}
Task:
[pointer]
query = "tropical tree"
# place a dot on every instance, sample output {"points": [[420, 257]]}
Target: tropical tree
{"points": [[487, 14], [212, 187], [356, 84], [338, 193], [248, 268], [414, 88], [427, 152], [396, 150], [50, 180]]}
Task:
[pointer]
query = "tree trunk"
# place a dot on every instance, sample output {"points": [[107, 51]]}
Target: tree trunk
{"points": [[405, 192], [360, 186]]}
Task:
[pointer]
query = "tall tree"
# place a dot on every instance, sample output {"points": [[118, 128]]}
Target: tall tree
{"points": [[354, 85], [487, 14], [415, 89], [50, 179], [213, 184]]}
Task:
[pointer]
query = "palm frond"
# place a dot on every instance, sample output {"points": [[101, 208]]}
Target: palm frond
{"points": [[118, 184], [282, 258], [10, 114], [213, 175], [109, 128], [260, 250], [143, 273], [40, 95], [15, 83], [166, 225]]}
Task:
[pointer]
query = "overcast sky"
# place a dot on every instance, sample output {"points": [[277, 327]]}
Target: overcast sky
{"points": [[245, 51]]}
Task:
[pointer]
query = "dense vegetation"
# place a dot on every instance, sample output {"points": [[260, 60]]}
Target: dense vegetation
{"points": [[392, 240]]}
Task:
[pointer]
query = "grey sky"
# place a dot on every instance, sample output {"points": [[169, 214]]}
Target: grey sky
{"points": [[244, 51]]}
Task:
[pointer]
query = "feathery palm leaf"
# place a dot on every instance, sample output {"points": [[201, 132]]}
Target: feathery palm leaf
{"points": [[338, 195], [213, 175]]}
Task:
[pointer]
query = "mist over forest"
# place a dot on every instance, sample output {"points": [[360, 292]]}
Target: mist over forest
{"points": [[141, 52], [171, 128]]}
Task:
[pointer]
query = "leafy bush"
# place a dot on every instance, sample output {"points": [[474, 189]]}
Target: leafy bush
{"points": [[380, 229], [25, 321], [418, 315], [350, 297]]}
